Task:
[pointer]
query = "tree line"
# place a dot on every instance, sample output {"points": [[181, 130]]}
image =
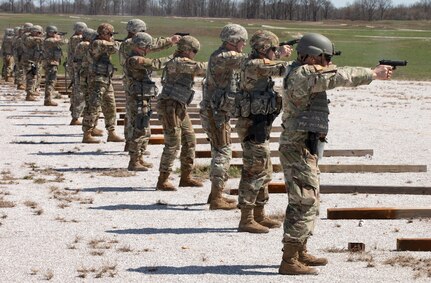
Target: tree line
{"points": [[297, 10]]}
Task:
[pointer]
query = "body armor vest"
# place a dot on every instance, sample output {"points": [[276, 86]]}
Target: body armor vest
{"points": [[179, 88]]}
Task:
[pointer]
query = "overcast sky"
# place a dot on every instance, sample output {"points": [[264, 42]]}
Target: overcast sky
{"points": [[343, 3]]}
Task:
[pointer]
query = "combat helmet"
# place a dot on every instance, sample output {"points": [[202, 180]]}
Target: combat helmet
{"points": [[136, 25], [16, 30], [315, 44], [9, 32], [36, 29], [233, 33], [263, 40], [89, 34], [79, 27], [142, 40], [188, 43], [51, 29], [27, 27], [105, 28]]}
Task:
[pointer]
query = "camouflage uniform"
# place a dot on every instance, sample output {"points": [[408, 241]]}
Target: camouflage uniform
{"points": [[19, 54], [77, 99], [100, 85], [216, 107], [51, 60], [140, 89], [177, 93], [32, 57], [7, 54]]}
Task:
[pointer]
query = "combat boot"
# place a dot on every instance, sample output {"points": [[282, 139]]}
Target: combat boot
{"points": [[88, 138], [248, 224], [49, 102], [217, 201], [262, 219], [145, 163], [75, 122], [30, 97], [308, 259], [113, 137], [290, 265], [20, 86], [163, 183], [135, 165], [228, 200], [96, 132], [188, 181], [126, 146]]}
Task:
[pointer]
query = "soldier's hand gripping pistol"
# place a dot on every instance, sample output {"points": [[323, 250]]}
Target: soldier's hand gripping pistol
{"points": [[393, 63]]}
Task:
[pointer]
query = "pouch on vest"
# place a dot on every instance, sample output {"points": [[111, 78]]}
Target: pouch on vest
{"points": [[242, 105], [143, 120]]}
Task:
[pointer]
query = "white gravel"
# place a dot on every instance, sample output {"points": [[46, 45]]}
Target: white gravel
{"points": [[151, 236]]}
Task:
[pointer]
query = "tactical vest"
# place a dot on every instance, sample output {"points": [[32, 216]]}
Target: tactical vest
{"points": [[179, 88], [103, 66], [7, 45], [53, 54]]}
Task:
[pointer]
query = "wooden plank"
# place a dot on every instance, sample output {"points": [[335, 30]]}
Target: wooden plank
{"points": [[276, 153], [280, 188], [359, 168], [377, 213], [414, 244]]}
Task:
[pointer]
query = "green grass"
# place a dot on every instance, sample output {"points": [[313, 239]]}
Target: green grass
{"points": [[361, 43]]}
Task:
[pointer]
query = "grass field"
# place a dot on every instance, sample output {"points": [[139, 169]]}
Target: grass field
{"points": [[361, 43]]}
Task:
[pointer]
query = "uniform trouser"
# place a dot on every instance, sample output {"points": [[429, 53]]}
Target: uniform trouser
{"points": [[178, 131], [129, 100], [8, 64], [221, 153], [50, 80], [137, 138], [301, 175], [256, 171], [77, 100], [31, 76], [101, 95], [19, 72]]}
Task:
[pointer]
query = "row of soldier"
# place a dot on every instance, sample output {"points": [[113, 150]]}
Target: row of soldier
{"points": [[236, 85]]}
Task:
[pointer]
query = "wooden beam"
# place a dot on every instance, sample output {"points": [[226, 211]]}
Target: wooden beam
{"points": [[414, 244], [377, 213], [276, 153], [359, 168], [280, 188]]}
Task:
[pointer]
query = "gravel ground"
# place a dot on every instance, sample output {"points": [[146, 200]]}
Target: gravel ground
{"points": [[70, 211]]}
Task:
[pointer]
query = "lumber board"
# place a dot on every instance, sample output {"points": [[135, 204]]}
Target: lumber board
{"points": [[414, 244], [377, 213], [280, 188], [276, 153]]}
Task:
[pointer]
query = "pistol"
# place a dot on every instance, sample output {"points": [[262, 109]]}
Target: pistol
{"points": [[290, 42], [182, 33], [393, 63], [62, 33]]}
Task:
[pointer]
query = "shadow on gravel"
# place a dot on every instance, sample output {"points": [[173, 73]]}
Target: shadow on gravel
{"points": [[44, 142], [90, 170], [156, 206], [78, 153], [14, 105], [177, 231], [40, 125], [52, 135], [200, 270], [32, 116], [117, 189]]}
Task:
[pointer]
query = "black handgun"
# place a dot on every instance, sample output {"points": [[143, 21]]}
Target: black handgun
{"points": [[290, 42], [62, 33], [393, 63], [182, 33]]}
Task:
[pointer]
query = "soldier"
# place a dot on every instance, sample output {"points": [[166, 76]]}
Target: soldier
{"points": [[258, 106], [220, 87], [140, 90], [7, 54], [32, 57], [17, 33], [51, 58], [133, 27], [100, 85], [305, 123], [177, 93], [19, 54], [82, 61], [77, 100]]}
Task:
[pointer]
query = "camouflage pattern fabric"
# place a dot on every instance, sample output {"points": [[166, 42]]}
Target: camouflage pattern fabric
{"points": [[222, 76], [257, 167], [300, 168], [51, 60], [7, 54], [101, 91], [177, 127], [80, 72], [32, 56], [137, 70], [18, 50], [72, 69]]}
